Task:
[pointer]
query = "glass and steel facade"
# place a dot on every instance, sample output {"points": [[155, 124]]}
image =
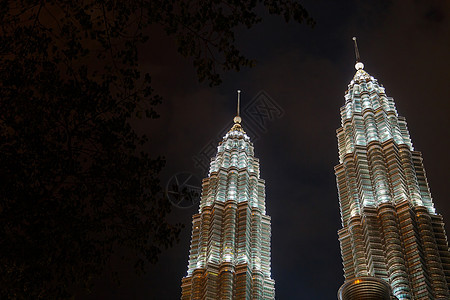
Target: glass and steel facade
{"points": [[230, 247], [390, 229]]}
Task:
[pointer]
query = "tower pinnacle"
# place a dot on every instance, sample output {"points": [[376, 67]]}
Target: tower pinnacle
{"points": [[359, 65], [230, 246], [390, 231], [238, 119]]}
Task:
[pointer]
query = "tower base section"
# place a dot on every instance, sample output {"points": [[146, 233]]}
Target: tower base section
{"points": [[366, 288]]}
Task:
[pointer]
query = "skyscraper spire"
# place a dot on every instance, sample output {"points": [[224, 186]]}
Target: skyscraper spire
{"points": [[230, 246], [238, 119], [359, 65], [390, 229], [356, 50]]}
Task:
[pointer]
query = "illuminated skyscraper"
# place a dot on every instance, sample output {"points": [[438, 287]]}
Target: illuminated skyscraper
{"points": [[391, 230], [230, 247]]}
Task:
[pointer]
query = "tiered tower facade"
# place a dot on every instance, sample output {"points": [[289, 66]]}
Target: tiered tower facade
{"points": [[390, 229], [230, 247]]}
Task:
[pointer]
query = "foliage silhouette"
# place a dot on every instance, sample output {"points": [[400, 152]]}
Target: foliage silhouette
{"points": [[75, 183]]}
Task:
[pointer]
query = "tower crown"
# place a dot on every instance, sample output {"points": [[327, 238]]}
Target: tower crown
{"points": [[230, 247], [369, 114], [390, 232]]}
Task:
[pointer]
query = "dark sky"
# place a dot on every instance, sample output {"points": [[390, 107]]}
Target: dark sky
{"points": [[404, 44]]}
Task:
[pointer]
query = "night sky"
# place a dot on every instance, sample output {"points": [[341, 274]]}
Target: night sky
{"points": [[404, 44]]}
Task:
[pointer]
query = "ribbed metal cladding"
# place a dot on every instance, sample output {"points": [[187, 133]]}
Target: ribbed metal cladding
{"points": [[365, 288], [230, 246], [390, 229]]}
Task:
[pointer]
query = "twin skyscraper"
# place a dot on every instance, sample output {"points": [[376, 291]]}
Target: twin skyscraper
{"points": [[393, 243]]}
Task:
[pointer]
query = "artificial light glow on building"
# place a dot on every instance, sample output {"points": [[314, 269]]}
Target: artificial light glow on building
{"points": [[390, 229], [230, 247]]}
